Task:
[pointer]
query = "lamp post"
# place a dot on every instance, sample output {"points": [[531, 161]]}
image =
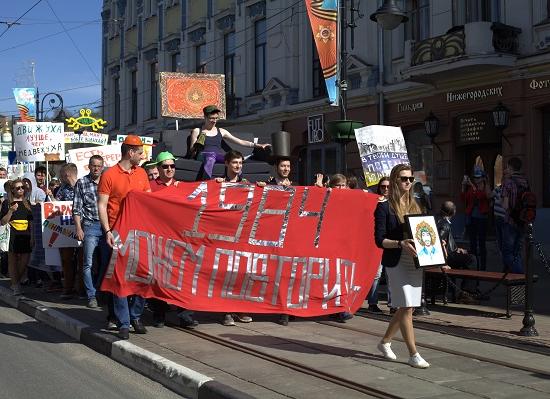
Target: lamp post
{"points": [[55, 102], [431, 125], [388, 17]]}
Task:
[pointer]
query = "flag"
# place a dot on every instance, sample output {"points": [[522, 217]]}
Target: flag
{"points": [[323, 17], [26, 103]]}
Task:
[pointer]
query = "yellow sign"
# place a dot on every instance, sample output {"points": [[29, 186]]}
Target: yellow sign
{"points": [[86, 120]]}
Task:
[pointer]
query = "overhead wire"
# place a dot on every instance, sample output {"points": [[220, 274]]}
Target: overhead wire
{"points": [[17, 20]]}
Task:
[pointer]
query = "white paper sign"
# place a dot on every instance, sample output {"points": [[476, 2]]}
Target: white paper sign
{"points": [[380, 148], [34, 139], [81, 157], [86, 138], [58, 229], [147, 148]]}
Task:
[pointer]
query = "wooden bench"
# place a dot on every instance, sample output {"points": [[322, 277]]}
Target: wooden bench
{"points": [[507, 280]]}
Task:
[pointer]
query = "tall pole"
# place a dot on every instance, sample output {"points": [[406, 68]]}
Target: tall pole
{"points": [[528, 329], [343, 60]]}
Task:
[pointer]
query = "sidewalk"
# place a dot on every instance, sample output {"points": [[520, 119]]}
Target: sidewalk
{"points": [[196, 368]]}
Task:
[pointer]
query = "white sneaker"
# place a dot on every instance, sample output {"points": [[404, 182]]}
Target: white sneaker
{"points": [[417, 361], [385, 349]]}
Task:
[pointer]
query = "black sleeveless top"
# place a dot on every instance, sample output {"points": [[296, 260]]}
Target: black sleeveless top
{"points": [[213, 143]]}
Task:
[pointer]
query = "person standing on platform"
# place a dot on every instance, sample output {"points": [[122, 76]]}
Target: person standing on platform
{"points": [[207, 140], [113, 188], [404, 279]]}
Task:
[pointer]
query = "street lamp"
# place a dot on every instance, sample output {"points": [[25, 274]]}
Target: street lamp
{"points": [[55, 102], [431, 125], [501, 120], [389, 15]]}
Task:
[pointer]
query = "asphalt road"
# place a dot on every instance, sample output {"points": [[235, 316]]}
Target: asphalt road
{"points": [[37, 361]]}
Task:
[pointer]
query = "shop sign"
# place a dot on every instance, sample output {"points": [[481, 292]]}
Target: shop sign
{"points": [[476, 128], [315, 129], [539, 84], [478, 94], [410, 107]]}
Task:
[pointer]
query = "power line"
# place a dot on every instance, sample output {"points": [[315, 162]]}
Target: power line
{"points": [[57, 91], [17, 20], [72, 41]]}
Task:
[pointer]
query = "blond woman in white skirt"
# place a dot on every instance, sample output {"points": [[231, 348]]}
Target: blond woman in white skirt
{"points": [[404, 280]]}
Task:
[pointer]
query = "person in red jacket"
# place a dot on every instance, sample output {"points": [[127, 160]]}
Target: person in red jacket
{"points": [[475, 195]]}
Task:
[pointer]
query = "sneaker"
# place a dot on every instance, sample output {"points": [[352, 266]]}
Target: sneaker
{"points": [[187, 321], [417, 361], [283, 320], [17, 290], [111, 325], [92, 303], [374, 309], [124, 333], [385, 349], [243, 318], [228, 320]]}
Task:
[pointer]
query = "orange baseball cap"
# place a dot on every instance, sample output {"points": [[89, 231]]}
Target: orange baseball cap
{"points": [[132, 139]]}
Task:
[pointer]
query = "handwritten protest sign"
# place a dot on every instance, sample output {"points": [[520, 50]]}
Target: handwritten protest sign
{"points": [[34, 139], [81, 157], [86, 138], [58, 230], [237, 247], [380, 149], [147, 148]]}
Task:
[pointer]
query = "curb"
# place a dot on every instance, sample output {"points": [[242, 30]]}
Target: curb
{"points": [[180, 379]]}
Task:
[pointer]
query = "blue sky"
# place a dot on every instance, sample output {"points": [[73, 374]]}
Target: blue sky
{"points": [[58, 64]]}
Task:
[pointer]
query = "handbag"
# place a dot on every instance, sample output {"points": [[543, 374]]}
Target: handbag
{"points": [[198, 146]]}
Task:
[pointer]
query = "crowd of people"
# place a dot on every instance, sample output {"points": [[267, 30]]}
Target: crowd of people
{"points": [[97, 198]]}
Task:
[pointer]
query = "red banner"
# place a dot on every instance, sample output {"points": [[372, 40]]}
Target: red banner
{"points": [[235, 247]]}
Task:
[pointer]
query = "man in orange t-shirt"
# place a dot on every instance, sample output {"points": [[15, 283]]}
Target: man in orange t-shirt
{"points": [[113, 187]]}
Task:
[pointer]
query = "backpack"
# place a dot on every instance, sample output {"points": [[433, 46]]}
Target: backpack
{"points": [[525, 208]]}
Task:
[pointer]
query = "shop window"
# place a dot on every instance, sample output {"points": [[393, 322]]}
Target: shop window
{"points": [[465, 11], [420, 152]]}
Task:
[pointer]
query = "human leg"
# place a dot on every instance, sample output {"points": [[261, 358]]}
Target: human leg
{"points": [[12, 269], [67, 256], [372, 297], [482, 234], [406, 327], [511, 248], [92, 235]]}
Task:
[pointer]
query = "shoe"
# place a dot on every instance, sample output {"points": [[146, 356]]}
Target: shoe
{"points": [[38, 284], [111, 325], [283, 320], [228, 320], [124, 333], [25, 282], [417, 361], [66, 295], [393, 310], [158, 322], [139, 328], [385, 349], [243, 318], [186, 321], [92, 303], [374, 309], [343, 317], [17, 290]]}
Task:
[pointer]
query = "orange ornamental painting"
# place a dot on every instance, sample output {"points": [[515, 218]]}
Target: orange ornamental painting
{"points": [[184, 95]]}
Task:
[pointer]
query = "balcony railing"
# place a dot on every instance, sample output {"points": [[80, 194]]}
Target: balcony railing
{"points": [[505, 38], [440, 47]]}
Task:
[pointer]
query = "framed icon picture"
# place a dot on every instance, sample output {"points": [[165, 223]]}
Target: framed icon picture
{"points": [[429, 248]]}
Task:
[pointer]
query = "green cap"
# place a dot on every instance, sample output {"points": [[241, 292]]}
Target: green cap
{"points": [[164, 156], [210, 109]]}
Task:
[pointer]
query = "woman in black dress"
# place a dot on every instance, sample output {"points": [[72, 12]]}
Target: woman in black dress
{"points": [[17, 212]]}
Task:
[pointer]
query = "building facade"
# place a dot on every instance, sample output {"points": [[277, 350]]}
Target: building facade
{"points": [[454, 59]]}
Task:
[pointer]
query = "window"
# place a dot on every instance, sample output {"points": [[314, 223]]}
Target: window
{"points": [[546, 156], [259, 54], [175, 62], [154, 90], [134, 95], [465, 11], [418, 26], [229, 63], [420, 151], [319, 85], [116, 95], [200, 58]]}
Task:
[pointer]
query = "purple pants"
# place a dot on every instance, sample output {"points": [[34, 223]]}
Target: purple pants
{"points": [[209, 159]]}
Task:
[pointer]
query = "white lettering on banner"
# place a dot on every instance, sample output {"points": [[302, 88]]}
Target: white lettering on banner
{"points": [[539, 84], [81, 156], [479, 94], [410, 107], [168, 260]]}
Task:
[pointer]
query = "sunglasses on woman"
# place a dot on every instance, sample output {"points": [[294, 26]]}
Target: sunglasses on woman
{"points": [[19, 188], [168, 167], [405, 178], [385, 187]]}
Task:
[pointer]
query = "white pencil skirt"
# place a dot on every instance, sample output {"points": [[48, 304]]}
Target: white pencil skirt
{"points": [[405, 283]]}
